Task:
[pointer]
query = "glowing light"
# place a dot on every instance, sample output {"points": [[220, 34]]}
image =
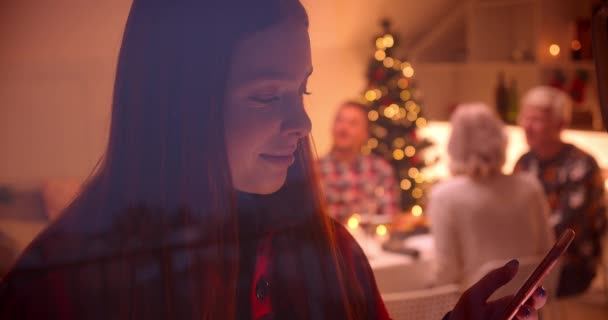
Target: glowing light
{"points": [[353, 222], [413, 172], [380, 43], [410, 151], [398, 154], [381, 230], [399, 143], [397, 65], [410, 105], [372, 142], [378, 93], [412, 116], [370, 95], [419, 178], [380, 132], [389, 62], [416, 211], [408, 72], [365, 150], [405, 184], [390, 112], [421, 122], [388, 40], [403, 83], [380, 55], [405, 95], [554, 50], [576, 45], [402, 113], [373, 115], [417, 193]]}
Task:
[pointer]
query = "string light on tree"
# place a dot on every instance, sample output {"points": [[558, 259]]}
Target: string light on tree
{"points": [[405, 184], [373, 115], [395, 112]]}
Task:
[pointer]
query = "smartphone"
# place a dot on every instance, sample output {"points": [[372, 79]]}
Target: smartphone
{"points": [[543, 269]]}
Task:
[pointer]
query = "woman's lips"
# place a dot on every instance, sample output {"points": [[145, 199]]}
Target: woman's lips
{"points": [[279, 160]]}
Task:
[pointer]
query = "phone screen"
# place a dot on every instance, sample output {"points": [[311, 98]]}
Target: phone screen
{"points": [[543, 269]]}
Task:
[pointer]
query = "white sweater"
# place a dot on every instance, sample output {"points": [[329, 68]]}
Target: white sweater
{"points": [[476, 221]]}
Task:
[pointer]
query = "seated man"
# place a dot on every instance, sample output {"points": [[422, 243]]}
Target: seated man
{"points": [[572, 182], [353, 182]]}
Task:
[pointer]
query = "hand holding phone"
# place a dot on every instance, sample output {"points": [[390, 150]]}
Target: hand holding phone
{"points": [[543, 269]]}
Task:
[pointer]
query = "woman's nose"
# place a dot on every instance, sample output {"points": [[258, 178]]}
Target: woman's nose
{"points": [[296, 121]]}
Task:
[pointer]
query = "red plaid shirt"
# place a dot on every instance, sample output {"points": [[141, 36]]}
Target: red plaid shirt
{"points": [[365, 186]]}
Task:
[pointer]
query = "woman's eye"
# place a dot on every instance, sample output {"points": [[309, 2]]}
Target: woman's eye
{"points": [[265, 100]]}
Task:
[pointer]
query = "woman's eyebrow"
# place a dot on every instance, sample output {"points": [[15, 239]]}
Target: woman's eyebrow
{"points": [[272, 76]]}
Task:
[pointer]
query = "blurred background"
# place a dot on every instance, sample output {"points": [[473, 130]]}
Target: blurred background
{"points": [[58, 57]]}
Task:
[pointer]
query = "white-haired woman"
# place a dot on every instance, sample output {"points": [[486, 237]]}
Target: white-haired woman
{"points": [[481, 214]]}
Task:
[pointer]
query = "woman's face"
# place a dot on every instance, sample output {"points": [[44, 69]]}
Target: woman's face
{"points": [[264, 116]]}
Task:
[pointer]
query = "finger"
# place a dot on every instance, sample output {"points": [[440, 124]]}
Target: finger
{"points": [[538, 299], [495, 279], [526, 313], [497, 307]]}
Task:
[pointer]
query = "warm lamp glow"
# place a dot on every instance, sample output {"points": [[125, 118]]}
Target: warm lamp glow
{"points": [[408, 71], [398, 154], [365, 150], [416, 211], [380, 43], [389, 62], [380, 55], [373, 115], [413, 172], [405, 95], [388, 40], [405, 184], [381, 230], [372, 142], [370, 95], [353, 222], [403, 83], [417, 193], [421, 122], [412, 116], [576, 45], [399, 142], [554, 50], [410, 151]]}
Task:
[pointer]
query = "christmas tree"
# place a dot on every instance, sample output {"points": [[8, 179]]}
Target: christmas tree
{"points": [[395, 113]]}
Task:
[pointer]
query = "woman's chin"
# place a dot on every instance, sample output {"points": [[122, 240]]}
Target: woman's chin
{"points": [[263, 185]]}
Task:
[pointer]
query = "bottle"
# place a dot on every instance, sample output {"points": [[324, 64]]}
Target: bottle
{"points": [[513, 103], [502, 97]]}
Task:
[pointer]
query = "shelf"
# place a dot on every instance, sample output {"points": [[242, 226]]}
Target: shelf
{"points": [[585, 65], [568, 65], [501, 3]]}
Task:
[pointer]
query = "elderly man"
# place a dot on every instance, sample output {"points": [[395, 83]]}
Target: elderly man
{"points": [[353, 182], [572, 182]]}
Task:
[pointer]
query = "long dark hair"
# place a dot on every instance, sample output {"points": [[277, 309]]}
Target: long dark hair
{"points": [[166, 169]]}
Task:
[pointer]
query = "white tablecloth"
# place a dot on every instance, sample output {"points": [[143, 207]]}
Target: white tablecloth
{"points": [[397, 272]]}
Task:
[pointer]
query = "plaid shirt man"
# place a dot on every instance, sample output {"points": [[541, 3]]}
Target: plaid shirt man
{"points": [[366, 186], [575, 190]]}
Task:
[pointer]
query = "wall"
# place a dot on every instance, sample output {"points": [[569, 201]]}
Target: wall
{"points": [[57, 60]]}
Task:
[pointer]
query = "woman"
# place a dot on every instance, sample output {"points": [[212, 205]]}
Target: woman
{"points": [[205, 205], [481, 214]]}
